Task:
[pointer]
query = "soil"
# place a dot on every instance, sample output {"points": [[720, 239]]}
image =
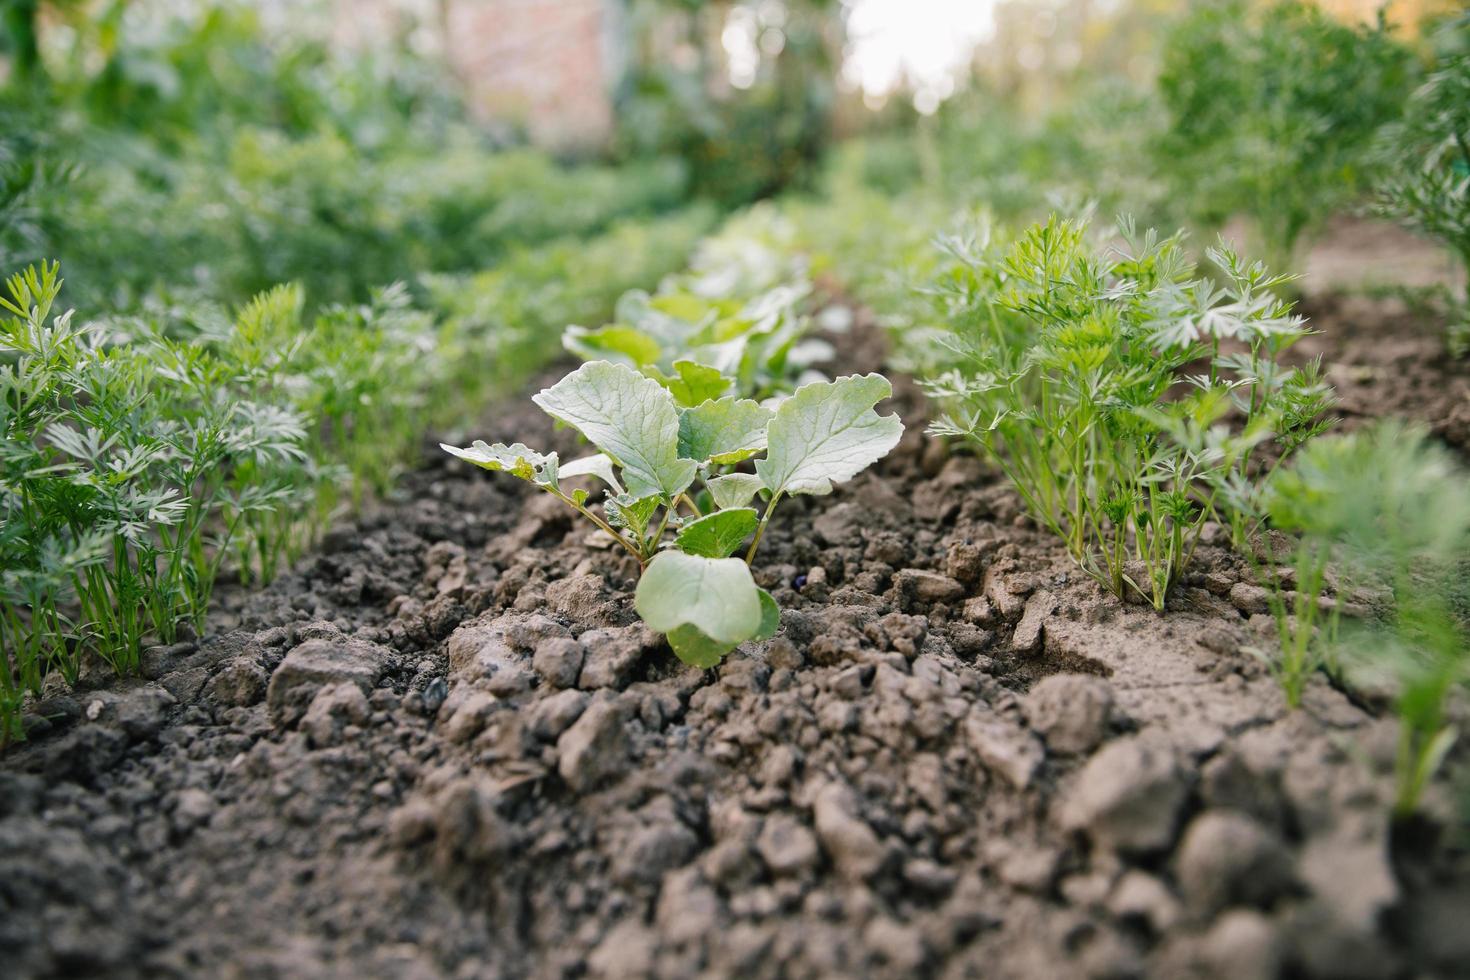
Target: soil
{"points": [[444, 746], [1386, 359]]}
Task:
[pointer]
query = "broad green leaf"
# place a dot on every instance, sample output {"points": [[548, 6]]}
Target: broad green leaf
{"points": [[670, 328], [725, 357], [694, 383], [717, 535], [614, 342], [828, 433], [632, 513], [696, 649], [731, 327], [516, 460], [734, 489], [723, 431], [690, 306], [599, 465], [716, 596], [627, 416], [770, 616]]}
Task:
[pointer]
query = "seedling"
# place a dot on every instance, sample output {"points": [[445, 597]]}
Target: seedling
{"points": [[669, 468], [117, 498], [699, 347], [1071, 370], [733, 324], [1381, 509]]}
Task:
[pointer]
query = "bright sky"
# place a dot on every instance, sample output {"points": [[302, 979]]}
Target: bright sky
{"points": [[927, 40]]}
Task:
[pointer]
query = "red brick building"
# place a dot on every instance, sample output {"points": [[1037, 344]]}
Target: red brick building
{"points": [[549, 65]]}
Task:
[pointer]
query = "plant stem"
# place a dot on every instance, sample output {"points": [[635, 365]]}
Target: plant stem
{"points": [[760, 530], [604, 525], [657, 535]]}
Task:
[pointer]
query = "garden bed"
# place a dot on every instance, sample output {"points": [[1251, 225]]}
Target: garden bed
{"points": [[445, 746]]}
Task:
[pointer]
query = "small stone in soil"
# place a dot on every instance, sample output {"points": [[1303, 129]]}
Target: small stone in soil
{"points": [[1226, 858], [434, 694], [854, 848], [1242, 945], [928, 586], [1004, 747], [1070, 711], [595, 749], [318, 662], [786, 846], [551, 716], [241, 683], [1128, 796]]}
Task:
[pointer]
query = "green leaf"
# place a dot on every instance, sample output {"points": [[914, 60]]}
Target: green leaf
{"points": [[716, 596], [632, 513], [599, 465], [828, 433], [717, 535], [516, 460], [697, 650], [627, 416], [694, 383], [770, 616], [734, 489], [689, 306], [671, 328], [615, 342], [723, 431]]}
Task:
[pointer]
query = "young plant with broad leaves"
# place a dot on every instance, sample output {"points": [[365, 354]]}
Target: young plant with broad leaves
{"points": [[734, 324], [1123, 393], [1381, 511], [670, 469], [702, 347]]}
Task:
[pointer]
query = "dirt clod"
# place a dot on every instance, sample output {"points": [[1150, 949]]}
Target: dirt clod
{"points": [[318, 663], [1070, 711], [1226, 858], [595, 748], [1128, 796]]}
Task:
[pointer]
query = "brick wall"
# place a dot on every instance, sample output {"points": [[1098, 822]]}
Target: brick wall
{"points": [[547, 65]]}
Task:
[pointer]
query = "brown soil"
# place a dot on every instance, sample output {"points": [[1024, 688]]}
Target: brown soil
{"points": [[1384, 356], [445, 747], [1386, 360]]}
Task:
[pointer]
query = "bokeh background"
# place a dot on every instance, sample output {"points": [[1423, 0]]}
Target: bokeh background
{"points": [[219, 148]]}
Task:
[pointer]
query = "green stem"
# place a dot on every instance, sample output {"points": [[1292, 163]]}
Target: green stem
{"points": [[760, 530], [652, 544], [604, 525]]}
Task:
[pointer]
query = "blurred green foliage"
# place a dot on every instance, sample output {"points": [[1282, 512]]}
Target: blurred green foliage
{"points": [[1390, 511], [144, 454], [1427, 181], [209, 155], [745, 129], [1272, 113]]}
